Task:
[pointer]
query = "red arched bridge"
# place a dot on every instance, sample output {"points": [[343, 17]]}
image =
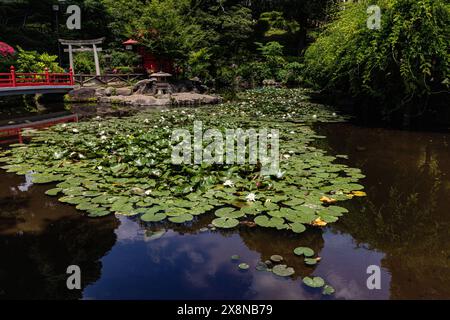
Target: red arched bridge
{"points": [[16, 83]]}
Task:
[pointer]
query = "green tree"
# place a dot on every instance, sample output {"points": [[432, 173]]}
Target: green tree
{"points": [[32, 61], [402, 65]]}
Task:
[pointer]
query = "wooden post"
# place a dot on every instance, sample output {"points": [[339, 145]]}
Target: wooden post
{"points": [[13, 75], [71, 57], [97, 63], [47, 77]]}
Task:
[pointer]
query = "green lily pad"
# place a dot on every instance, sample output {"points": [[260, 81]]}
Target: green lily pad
{"points": [[225, 223], [53, 192], [261, 266], [181, 219], [84, 206], [311, 261], [328, 290], [316, 282], [98, 212], [276, 258], [298, 227], [304, 251], [229, 213], [283, 270], [244, 266], [153, 217], [235, 257]]}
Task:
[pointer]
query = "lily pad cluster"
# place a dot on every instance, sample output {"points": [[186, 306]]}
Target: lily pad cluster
{"points": [[308, 253], [123, 166]]}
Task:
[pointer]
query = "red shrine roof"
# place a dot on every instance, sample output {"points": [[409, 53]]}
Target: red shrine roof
{"points": [[130, 42]]}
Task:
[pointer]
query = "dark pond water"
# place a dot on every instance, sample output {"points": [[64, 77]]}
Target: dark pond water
{"points": [[403, 226]]}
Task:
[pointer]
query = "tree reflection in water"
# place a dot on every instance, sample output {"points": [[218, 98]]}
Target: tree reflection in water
{"points": [[40, 238], [406, 214]]}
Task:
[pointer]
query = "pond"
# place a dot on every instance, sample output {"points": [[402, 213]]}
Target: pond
{"points": [[401, 226]]}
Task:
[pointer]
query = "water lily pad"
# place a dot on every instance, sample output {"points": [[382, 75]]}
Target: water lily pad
{"points": [[316, 282], [181, 219], [328, 290], [244, 266], [283, 270], [266, 222], [276, 258], [304, 251], [53, 192], [235, 257], [311, 261], [153, 217], [121, 206], [84, 206], [229, 213], [98, 212], [46, 178], [298, 227], [261, 266], [225, 223]]}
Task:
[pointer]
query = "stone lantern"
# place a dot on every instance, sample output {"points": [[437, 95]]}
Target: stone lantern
{"points": [[162, 85]]}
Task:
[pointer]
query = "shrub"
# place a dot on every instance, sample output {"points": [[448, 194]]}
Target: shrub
{"points": [[291, 73], [32, 61], [6, 62], [118, 58], [83, 63]]}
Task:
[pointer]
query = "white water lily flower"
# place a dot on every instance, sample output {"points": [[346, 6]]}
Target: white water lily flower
{"points": [[75, 130], [251, 197], [228, 183], [58, 155], [286, 156], [146, 121], [280, 174], [100, 168], [292, 132], [81, 156], [98, 117], [148, 192], [315, 116], [103, 138]]}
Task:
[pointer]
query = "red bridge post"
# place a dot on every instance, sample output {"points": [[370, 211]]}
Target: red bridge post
{"points": [[47, 77], [13, 75], [72, 81]]}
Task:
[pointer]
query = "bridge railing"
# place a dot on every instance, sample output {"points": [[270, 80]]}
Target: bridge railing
{"points": [[19, 79]]}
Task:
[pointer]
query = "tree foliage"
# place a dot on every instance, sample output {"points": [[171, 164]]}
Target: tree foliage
{"points": [[403, 63]]}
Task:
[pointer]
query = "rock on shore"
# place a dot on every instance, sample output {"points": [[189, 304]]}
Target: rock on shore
{"points": [[124, 96]]}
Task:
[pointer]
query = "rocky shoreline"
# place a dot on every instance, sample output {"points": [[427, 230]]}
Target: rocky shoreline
{"points": [[133, 96]]}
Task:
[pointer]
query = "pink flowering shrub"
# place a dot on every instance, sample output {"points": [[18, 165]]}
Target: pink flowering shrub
{"points": [[6, 50]]}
